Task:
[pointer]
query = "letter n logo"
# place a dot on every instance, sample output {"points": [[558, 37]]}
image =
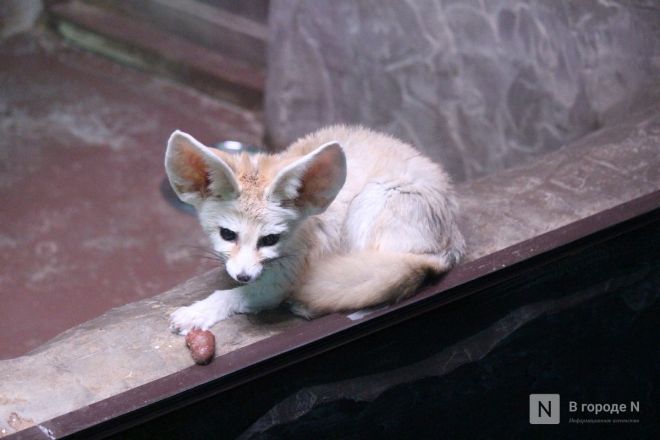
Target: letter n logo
{"points": [[544, 409]]}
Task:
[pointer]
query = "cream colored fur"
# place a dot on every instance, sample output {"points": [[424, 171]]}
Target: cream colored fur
{"points": [[362, 219], [361, 279]]}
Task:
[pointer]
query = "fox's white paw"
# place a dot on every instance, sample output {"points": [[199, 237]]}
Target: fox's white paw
{"points": [[185, 319], [203, 314]]}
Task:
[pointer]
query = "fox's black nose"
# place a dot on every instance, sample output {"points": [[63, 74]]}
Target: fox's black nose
{"points": [[243, 277]]}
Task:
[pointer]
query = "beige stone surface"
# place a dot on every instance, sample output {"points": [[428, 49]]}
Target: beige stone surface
{"points": [[126, 347]]}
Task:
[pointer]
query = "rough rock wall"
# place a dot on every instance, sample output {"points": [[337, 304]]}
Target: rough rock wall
{"points": [[478, 85]]}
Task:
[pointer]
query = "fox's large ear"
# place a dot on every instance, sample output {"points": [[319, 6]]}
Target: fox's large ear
{"points": [[195, 172], [313, 181]]}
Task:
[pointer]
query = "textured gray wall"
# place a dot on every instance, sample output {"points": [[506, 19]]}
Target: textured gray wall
{"points": [[478, 85]]}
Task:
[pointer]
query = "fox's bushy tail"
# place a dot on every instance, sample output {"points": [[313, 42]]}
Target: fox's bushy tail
{"points": [[364, 279]]}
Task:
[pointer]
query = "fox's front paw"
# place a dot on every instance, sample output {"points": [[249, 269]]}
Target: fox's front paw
{"points": [[185, 319]]}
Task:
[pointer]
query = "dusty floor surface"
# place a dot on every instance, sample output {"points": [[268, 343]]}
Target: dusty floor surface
{"points": [[83, 225]]}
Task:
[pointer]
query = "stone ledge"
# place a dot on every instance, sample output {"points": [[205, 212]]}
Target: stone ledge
{"points": [[130, 345]]}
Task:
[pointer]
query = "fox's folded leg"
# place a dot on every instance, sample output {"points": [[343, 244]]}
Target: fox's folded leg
{"points": [[220, 305]]}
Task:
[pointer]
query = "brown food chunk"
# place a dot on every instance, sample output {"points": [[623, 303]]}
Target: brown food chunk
{"points": [[202, 345]]}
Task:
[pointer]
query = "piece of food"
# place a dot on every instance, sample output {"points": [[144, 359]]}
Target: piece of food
{"points": [[202, 345]]}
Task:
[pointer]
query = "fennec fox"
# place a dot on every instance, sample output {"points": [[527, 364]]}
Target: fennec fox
{"points": [[345, 218]]}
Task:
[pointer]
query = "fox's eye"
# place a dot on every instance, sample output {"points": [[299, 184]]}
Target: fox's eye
{"points": [[268, 240], [227, 234]]}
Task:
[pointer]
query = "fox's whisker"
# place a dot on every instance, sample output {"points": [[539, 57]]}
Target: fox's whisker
{"points": [[270, 260], [202, 257], [206, 253]]}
